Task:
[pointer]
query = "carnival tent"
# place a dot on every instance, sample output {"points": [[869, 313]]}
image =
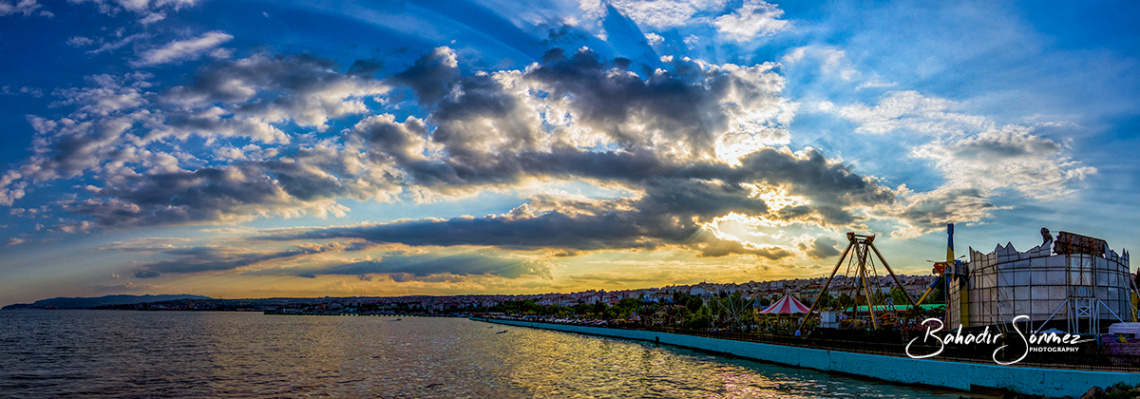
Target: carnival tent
{"points": [[786, 305]]}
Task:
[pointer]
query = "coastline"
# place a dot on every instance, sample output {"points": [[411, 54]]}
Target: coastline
{"points": [[938, 373]]}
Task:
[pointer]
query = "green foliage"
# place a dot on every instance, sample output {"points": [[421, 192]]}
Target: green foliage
{"points": [[764, 301], [700, 321], [937, 296], [825, 301], [525, 307], [694, 304], [844, 301], [899, 297], [1122, 390]]}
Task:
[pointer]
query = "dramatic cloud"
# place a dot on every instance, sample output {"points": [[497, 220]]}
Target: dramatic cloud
{"points": [[977, 159], [185, 260], [514, 146], [128, 137], [820, 248], [1010, 157], [432, 76], [262, 91], [419, 267], [182, 50], [677, 203], [922, 213], [691, 145]]}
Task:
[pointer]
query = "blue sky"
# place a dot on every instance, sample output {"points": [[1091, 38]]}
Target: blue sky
{"points": [[252, 149]]}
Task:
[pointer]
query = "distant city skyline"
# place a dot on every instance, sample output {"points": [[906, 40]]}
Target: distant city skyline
{"points": [[805, 288], [290, 149]]}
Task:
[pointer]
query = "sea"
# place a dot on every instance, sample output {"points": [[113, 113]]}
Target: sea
{"points": [[128, 354]]}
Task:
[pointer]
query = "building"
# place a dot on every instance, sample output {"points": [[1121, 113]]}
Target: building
{"points": [[1074, 279]]}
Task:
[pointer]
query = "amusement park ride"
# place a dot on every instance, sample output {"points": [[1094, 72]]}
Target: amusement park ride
{"points": [[1071, 278], [861, 277]]}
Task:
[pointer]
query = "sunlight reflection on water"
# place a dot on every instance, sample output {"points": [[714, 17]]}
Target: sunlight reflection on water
{"points": [[187, 354]]}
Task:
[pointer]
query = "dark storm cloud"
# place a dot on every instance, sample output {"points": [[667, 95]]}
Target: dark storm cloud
{"points": [[607, 97], [231, 81], [366, 67], [431, 76], [647, 223], [405, 267], [551, 229], [820, 248], [186, 260], [183, 197]]}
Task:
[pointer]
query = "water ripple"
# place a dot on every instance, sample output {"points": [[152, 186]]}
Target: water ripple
{"points": [[110, 354]]}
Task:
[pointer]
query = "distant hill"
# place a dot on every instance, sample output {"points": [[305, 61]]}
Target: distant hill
{"points": [[85, 303]]}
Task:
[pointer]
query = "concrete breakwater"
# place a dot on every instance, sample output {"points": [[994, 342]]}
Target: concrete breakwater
{"points": [[954, 375]]}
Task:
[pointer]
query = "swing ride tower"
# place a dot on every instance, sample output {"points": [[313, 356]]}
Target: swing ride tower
{"points": [[861, 275]]}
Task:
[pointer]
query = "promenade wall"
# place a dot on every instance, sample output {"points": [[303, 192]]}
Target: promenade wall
{"points": [[954, 375]]}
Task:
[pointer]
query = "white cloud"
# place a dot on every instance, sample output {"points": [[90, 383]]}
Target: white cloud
{"points": [[25, 7], [182, 50], [11, 188], [127, 134], [832, 61], [79, 41], [876, 84], [22, 91], [977, 158], [654, 39], [912, 112], [142, 7], [752, 20], [152, 18], [654, 13], [1007, 157], [106, 46], [922, 213]]}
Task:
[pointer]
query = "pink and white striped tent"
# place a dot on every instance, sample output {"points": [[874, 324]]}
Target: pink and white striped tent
{"points": [[786, 305]]}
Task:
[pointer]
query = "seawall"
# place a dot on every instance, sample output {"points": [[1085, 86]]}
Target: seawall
{"points": [[954, 375]]}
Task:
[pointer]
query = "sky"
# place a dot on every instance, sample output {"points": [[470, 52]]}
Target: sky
{"points": [[246, 149]]}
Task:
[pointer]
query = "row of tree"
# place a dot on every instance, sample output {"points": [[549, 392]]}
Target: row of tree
{"points": [[691, 311]]}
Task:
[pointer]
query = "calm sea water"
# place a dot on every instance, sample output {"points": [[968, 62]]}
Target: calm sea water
{"points": [[189, 354]]}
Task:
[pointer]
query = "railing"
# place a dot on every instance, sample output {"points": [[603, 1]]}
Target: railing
{"points": [[982, 354]]}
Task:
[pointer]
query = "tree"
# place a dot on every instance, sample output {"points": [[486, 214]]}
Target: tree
{"points": [[694, 304], [625, 307], [600, 308], [764, 301], [937, 296], [844, 301], [899, 297], [824, 301]]}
